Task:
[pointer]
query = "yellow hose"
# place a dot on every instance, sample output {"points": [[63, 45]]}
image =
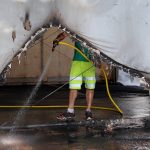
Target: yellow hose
{"points": [[93, 107], [56, 106], [108, 92]]}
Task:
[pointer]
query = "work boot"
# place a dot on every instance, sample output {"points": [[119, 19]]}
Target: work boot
{"points": [[66, 116], [88, 115]]}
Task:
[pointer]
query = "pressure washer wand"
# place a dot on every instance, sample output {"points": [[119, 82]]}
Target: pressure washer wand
{"points": [[61, 86]]}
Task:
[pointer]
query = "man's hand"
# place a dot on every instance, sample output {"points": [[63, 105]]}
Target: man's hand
{"points": [[59, 38], [55, 43]]}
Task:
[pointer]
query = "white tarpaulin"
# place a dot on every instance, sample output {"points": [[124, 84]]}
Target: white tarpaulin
{"points": [[126, 79], [118, 28]]}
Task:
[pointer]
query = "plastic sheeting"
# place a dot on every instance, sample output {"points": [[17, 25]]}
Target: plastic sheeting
{"points": [[126, 79], [118, 28]]}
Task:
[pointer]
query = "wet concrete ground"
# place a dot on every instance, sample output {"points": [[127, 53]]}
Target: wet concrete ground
{"points": [[134, 102]]}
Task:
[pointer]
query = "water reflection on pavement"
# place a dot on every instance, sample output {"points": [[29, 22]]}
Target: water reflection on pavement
{"points": [[133, 106]]}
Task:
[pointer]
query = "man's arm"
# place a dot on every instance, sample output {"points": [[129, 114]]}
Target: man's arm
{"points": [[59, 38]]}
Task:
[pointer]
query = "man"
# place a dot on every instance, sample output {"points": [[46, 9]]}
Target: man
{"points": [[81, 69]]}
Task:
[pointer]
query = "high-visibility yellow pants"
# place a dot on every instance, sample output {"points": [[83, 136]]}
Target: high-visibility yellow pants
{"points": [[82, 71]]}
